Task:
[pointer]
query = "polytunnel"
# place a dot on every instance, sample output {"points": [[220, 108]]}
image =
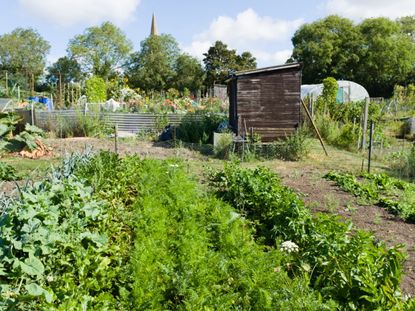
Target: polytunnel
{"points": [[349, 91]]}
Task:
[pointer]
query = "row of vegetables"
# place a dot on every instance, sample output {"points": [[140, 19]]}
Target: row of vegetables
{"points": [[395, 195], [104, 233]]}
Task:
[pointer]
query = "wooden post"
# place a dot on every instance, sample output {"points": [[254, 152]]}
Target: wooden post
{"points": [[32, 114], [372, 129], [32, 85], [116, 138], [315, 127], [60, 90], [7, 84], [365, 118]]}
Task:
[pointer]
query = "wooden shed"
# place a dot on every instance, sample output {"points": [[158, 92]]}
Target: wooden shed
{"points": [[266, 101]]}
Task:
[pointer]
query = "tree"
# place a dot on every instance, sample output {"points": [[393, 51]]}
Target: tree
{"points": [[65, 68], [407, 25], [387, 58], [100, 50], [327, 47], [23, 54], [220, 62], [376, 53], [245, 61], [188, 74], [152, 68]]}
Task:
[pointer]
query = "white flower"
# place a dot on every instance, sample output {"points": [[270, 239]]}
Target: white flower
{"points": [[289, 247], [173, 165]]}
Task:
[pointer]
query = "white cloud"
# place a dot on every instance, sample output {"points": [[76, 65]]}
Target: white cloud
{"points": [[72, 12], [248, 32], [247, 28], [360, 9], [272, 58]]}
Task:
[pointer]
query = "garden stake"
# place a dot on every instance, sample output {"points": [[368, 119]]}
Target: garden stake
{"points": [[315, 127], [365, 117], [116, 138], [372, 127]]}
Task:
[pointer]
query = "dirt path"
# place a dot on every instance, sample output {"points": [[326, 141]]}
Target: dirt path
{"points": [[323, 196]]}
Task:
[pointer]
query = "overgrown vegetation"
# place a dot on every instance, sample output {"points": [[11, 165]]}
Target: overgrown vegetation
{"points": [[198, 128]]}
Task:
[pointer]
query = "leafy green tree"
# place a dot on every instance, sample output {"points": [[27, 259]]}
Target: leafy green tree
{"points": [[65, 68], [96, 90], [189, 74], [23, 54], [245, 61], [220, 62], [152, 68], [327, 47], [101, 50], [378, 53], [387, 56], [407, 24]]}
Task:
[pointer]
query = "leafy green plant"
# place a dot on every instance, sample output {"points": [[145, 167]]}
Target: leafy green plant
{"points": [[343, 263], [96, 90], [396, 195], [28, 138], [60, 248], [195, 252], [8, 172]]}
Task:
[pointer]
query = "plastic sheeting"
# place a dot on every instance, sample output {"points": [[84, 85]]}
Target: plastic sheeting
{"points": [[349, 91]]}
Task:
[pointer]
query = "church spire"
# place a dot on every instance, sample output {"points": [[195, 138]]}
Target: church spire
{"points": [[153, 26]]}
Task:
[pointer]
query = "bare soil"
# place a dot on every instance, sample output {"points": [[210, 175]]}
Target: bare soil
{"points": [[324, 196]]}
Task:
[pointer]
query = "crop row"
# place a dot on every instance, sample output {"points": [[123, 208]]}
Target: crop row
{"points": [[396, 195], [103, 233], [343, 263]]}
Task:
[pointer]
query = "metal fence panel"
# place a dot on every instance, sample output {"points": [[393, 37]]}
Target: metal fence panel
{"points": [[129, 122]]}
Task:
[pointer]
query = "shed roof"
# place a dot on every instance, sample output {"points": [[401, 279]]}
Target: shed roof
{"points": [[268, 69]]}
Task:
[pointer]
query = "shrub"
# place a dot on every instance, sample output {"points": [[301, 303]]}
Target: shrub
{"points": [[348, 137], [96, 90], [295, 147], [223, 147], [403, 163], [199, 127]]}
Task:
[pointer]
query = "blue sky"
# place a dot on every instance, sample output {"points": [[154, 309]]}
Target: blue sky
{"points": [[263, 27]]}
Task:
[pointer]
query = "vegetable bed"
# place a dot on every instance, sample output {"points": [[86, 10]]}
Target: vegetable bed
{"points": [[104, 233]]}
